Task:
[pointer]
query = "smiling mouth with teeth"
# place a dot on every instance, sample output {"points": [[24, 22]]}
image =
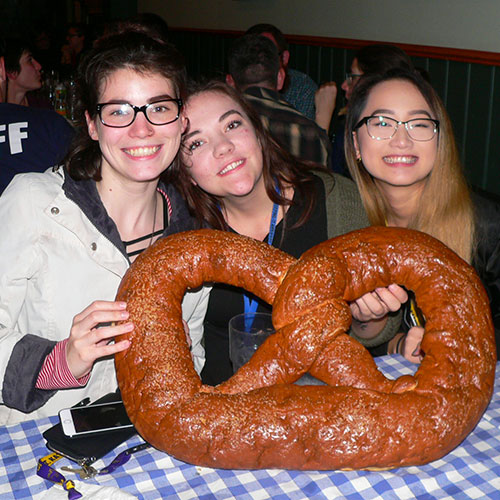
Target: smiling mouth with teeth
{"points": [[230, 167], [409, 160], [142, 151]]}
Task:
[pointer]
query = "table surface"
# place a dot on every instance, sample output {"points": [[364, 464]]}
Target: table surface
{"points": [[471, 471]]}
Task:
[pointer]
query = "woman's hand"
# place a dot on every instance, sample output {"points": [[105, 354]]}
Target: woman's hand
{"points": [[88, 341], [375, 305], [324, 101], [411, 345], [408, 345], [370, 311]]}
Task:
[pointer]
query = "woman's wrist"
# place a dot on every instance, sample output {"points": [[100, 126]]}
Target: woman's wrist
{"points": [[368, 329], [396, 345]]}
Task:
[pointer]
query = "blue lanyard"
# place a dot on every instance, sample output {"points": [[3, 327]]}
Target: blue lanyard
{"points": [[250, 304]]}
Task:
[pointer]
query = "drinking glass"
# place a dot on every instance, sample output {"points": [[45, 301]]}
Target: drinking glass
{"points": [[247, 331]]}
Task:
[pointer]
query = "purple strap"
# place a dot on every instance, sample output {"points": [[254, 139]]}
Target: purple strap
{"points": [[47, 472], [123, 458]]}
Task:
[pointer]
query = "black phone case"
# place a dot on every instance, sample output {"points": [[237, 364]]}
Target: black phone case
{"points": [[87, 449]]}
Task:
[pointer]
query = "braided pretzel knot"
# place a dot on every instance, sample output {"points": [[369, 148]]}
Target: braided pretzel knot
{"points": [[259, 418]]}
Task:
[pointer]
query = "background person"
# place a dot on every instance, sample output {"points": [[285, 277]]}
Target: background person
{"points": [[401, 152], [254, 69], [299, 89], [31, 139], [23, 74], [74, 48], [70, 235]]}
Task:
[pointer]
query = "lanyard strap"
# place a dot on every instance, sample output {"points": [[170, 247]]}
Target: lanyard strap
{"points": [[46, 470], [250, 305]]}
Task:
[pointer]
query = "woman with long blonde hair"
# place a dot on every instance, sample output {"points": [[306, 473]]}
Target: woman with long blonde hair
{"points": [[401, 152]]}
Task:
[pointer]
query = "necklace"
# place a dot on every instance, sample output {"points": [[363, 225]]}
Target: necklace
{"points": [[154, 220]]}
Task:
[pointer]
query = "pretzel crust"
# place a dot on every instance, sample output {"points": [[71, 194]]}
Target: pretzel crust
{"points": [[259, 418]]}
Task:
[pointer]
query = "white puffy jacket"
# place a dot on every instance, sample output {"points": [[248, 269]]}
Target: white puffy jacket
{"points": [[59, 251]]}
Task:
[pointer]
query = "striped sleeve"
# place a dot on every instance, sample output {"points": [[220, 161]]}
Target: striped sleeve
{"points": [[55, 373]]}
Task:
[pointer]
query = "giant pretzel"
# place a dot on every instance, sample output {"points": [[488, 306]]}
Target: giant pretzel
{"points": [[259, 418]]}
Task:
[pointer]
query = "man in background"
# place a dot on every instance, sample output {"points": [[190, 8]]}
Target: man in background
{"points": [[73, 50], [31, 139], [254, 68], [23, 73], [299, 89]]}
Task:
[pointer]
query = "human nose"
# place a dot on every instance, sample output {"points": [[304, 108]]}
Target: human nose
{"points": [[140, 127], [37, 65], [401, 137], [223, 147], [345, 85]]}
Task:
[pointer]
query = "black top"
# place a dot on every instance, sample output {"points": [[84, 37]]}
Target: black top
{"points": [[487, 257], [227, 301]]}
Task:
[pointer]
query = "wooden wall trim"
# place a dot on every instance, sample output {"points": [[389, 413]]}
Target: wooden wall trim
{"points": [[447, 53]]}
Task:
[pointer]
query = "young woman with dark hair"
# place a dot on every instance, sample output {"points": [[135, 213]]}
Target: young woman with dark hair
{"points": [[236, 178], [69, 235], [402, 155]]}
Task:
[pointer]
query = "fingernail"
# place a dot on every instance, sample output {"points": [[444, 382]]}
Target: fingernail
{"points": [[124, 314], [123, 305]]}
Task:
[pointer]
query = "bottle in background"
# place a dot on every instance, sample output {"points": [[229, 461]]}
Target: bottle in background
{"points": [[71, 100], [50, 86], [60, 99]]}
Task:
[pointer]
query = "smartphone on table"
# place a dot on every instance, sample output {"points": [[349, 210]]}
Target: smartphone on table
{"points": [[81, 421]]}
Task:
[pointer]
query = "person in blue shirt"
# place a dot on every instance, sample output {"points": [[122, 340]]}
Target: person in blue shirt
{"points": [[31, 139]]}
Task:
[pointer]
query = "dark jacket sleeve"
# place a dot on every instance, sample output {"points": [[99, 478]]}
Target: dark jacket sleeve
{"points": [[487, 256], [22, 371]]}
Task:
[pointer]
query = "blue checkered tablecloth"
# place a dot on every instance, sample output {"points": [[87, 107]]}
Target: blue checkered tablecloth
{"points": [[471, 471]]}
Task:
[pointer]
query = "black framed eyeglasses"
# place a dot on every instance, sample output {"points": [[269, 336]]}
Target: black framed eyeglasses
{"points": [[382, 128], [122, 114], [350, 77]]}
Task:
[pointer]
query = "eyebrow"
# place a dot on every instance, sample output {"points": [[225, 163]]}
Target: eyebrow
{"points": [[411, 113], [227, 113], [221, 119], [155, 98]]}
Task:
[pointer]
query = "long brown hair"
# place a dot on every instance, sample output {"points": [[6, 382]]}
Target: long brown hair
{"points": [[279, 169], [445, 204]]}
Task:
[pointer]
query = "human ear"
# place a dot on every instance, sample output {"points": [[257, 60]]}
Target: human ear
{"points": [[184, 123], [91, 127], [230, 81], [12, 75], [280, 81], [356, 145], [285, 57]]}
